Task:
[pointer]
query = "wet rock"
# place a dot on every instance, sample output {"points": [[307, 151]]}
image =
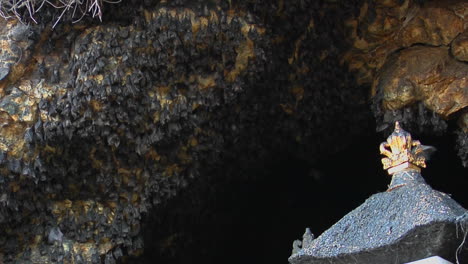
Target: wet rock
{"points": [[437, 80], [459, 47], [388, 37], [381, 29]]}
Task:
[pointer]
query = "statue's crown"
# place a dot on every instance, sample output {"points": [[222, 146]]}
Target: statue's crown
{"points": [[402, 152]]}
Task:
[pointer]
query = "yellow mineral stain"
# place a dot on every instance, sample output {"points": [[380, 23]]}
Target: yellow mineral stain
{"points": [[323, 55], [124, 196], [183, 156], [287, 108], [67, 203], [297, 47], [125, 174], [148, 15], [153, 155], [97, 164], [245, 51], [195, 106], [193, 142], [105, 246], [135, 199], [86, 206], [95, 105], [171, 170], [361, 43], [12, 140], [161, 92], [156, 117], [111, 215], [196, 25], [298, 92], [49, 149], [84, 249], [98, 78], [37, 239], [206, 82], [14, 186]]}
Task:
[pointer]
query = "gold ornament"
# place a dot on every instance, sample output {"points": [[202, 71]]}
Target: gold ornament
{"points": [[402, 152]]}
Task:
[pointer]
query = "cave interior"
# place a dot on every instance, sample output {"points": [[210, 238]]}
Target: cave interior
{"points": [[215, 131]]}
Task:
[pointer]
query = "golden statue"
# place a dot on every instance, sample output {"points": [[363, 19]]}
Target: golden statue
{"points": [[403, 153]]}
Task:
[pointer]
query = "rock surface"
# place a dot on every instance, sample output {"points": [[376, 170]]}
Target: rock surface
{"points": [[460, 47], [103, 121], [426, 74], [412, 54]]}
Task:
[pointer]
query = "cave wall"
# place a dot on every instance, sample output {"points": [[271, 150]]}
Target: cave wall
{"points": [[104, 121], [413, 55]]}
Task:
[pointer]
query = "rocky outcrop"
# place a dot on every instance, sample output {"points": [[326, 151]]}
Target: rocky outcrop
{"points": [[412, 53], [426, 74]]}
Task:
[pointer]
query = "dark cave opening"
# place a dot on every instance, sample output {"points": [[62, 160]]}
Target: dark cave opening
{"points": [[255, 218]]}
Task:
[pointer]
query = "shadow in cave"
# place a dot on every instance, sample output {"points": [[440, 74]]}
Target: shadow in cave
{"points": [[255, 218]]}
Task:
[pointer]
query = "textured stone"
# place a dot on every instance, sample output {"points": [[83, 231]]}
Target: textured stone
{"points": [[97, 103], [102, 122], [433, 25], [382, 29], [410, 53], [426, 74], [460, 47]]}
